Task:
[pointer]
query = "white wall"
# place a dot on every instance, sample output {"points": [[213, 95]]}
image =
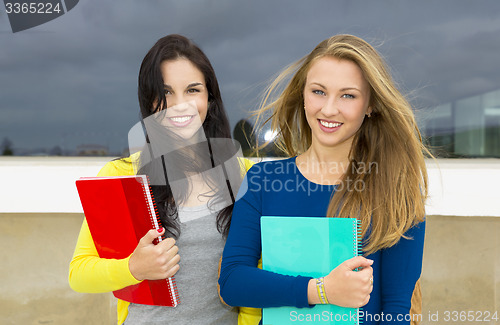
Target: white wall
{"points": [[464, 187], [458, 187], [44, 184]]}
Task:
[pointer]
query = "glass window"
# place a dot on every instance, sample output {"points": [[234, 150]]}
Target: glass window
{"points": [[467, 128]]}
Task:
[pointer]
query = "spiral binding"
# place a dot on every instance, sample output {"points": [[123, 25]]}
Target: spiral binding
{"points": [[359, 248], [173, 285], [359, 251], [153, 211], [156, 222]]}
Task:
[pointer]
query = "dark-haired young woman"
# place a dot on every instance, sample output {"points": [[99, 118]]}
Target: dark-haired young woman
{"points": [[182, 111]]}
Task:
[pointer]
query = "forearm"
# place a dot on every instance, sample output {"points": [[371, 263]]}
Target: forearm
{"points": [[92, 274], [252, 287], [312, 292]]}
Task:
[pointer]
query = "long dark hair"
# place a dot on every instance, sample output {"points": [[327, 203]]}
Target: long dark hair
{"points": [[152, 99]]}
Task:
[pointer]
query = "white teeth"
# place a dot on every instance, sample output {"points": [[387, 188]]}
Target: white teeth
{"points": [[329, 125], [181, 119]]}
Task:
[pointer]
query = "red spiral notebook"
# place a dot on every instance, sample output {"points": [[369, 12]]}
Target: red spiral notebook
{"points": [[120, 210]]}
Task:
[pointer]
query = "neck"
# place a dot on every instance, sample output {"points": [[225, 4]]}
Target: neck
{"points": [[324, 165], [324, 155]]}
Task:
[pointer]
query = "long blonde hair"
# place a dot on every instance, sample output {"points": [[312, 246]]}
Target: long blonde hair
{"points": [[394, 193]]}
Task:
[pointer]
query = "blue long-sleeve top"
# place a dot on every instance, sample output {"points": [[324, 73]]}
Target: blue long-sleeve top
{"points": [[277, 188]]}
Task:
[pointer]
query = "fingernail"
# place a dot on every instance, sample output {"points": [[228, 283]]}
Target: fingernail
{"points": [[160, 229]]}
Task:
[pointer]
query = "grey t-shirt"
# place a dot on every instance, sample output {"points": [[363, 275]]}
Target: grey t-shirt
{"points": [[200, 247]]}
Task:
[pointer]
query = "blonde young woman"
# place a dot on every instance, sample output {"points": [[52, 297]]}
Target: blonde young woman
{"points": [[355, 151]]}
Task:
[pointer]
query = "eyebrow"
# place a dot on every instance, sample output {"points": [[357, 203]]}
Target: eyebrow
{"points": [[350, 88], [343, 89], [318, 84], [194, 84]]}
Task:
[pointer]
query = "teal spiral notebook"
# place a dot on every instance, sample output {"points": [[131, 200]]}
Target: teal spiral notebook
{"points": [[308, 246]]}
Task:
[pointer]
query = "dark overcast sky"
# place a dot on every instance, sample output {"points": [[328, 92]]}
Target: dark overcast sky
{"points": [[73, 80]]}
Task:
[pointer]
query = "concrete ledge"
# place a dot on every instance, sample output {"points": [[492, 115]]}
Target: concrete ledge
{"points": [[457, 187], [44, 184], [463, 187]]}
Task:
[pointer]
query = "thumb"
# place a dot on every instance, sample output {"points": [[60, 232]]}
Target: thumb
{"points": [[150, 236], [358, 261]]}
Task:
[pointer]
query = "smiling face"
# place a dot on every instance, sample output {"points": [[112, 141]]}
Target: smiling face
{"points": [[186, 97], [336, 99]]}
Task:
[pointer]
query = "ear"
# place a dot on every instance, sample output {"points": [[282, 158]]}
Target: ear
{"points": [[369, 111]]}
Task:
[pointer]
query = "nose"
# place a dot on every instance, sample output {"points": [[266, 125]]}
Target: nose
{"points": [[175, 100], [181, 106], [331, 107]]}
